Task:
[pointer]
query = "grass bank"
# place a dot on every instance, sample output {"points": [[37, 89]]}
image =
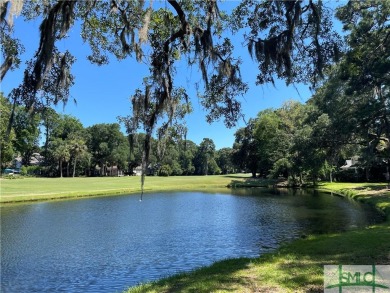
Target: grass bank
{"points": [[33, 189], [375, 194], [296, 266]]}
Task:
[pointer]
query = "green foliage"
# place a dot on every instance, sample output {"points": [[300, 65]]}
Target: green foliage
{"points": [[224, 159], [267, 138], [30, 170], [292, 40], [165, 171], [213, 168], [176, 168], [66, 126], [352, 175], [187, 157], [7, 143], [276, 133], [354, 98], [26, 128], [245, 149], [11, 47], [205, 156], [107, 145], [65, 144], [348, 114], [220, 98], [77, 149], [23, 171], [72, 150], [280, 167], [60, 151]]}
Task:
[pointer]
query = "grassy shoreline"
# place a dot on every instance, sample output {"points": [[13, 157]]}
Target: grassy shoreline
{"points": [[375, 194], [42, 189], [294, 267]]}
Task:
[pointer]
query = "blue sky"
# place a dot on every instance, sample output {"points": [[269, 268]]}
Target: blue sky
{"points": [[103, 93]]}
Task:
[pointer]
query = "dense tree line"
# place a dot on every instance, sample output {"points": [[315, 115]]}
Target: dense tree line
{"points": [[348, 114], [67, 148], [293, 40]]}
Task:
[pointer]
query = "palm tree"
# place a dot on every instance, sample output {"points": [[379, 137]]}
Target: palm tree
{"points": [[61, 152], [77, 148]]}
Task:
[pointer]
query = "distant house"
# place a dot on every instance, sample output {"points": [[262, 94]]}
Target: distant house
{"points": [[107, 171], [17, 163], [151, 170], [36, 159], [114, 171], [137, 171], [350, 164]]}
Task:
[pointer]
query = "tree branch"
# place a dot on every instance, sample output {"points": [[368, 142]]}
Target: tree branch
{"points": [[7, 64]]}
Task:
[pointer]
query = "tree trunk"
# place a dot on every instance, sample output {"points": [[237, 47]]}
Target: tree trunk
{"points": [[46, 144], [46, 125], [7, 64], [367, 174], [60, 168], [74, 166], [330, 176], [10, 121]]}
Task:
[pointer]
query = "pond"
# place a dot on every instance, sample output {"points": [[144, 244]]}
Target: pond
{"points": [[106, 244]]}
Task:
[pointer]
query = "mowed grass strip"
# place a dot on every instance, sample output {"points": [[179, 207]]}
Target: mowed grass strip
{"points": [[27, 189]]}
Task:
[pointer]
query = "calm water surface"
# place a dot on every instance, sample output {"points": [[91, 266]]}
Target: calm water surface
{"points": [[106, 244]]}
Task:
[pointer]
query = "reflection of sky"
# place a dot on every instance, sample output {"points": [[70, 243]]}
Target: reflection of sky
{"points": [[107, 243]]}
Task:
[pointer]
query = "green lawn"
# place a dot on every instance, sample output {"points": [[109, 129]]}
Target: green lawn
{"points": [[25, 189]]}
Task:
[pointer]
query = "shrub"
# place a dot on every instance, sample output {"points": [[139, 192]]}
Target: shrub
{"points": [[30, 170], [165, 170], [23, 171]]}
